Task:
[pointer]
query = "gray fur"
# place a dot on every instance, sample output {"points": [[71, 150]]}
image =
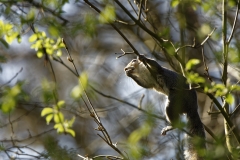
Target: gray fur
{"points": [[149, 74]]}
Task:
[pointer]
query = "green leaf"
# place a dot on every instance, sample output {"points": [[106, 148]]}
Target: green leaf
{"points": [[108, 15], [83, 80], [191, 63], [219, 89], [8, 27], [174, 3], [219, 86], [71, 122], [76, 92], [10, 96], [235, 88], [9, 38], [31, 15], [37, 45], [60, 104], [204, 30], [15, 90], [8, 105], [46, 111], [49, 118], [229, 98], [49, 51], [59, 127], [221, 92], [53, 30], [39, 54], [70, 131], [58, 117], [32, 38], [59, 53], [90, 25], [141, 132], [194, 78]]}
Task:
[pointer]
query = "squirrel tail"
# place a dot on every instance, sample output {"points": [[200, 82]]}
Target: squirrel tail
{"points": [[196, 140]]}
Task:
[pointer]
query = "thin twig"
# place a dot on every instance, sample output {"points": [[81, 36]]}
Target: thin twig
{"points": [[39, 5], [194, 45], [107, 156], [152, 34], [92, 110], [234, 23], [115, 28], [61, 61], [124, 53], [70, 59], [205, 65], [225, 115], [9, 81], [25, 139], [9, 119], [17, 119], [235, 110], [140, 10], [215, 112], [130, 104], [211, 133], [209, 35]]}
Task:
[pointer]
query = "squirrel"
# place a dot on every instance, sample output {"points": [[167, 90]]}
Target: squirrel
{"points": [[182, 100]]}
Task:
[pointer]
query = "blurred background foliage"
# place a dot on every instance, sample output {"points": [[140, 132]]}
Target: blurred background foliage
{"points": [[43, 114]]}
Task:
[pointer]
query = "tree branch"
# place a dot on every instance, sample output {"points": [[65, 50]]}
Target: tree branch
{"points": [[234, 23]]}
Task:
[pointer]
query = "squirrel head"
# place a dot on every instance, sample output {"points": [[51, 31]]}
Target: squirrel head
{"points": [[139, 72]]}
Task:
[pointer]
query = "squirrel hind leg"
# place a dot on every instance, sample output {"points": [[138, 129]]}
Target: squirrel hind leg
{"points": [[166, 129], [172, 116]]}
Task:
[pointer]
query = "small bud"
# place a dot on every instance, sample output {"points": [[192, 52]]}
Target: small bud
{"points": [[69, 59], [100, 128], [92, 115]]}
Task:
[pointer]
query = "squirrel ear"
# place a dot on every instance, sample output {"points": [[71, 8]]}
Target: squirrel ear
{"points": [[141, 57]]}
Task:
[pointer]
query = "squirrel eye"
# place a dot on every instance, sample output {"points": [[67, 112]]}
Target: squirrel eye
{"points": [[134, 60]]}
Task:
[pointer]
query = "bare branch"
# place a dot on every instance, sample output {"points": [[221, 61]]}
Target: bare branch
{"points": [[205, 65], [22, 140], [124, 53], [194, 44], [209, 35], [235, 110], [225, 115], [12, 78], [234, 23], [130, 104], [92, 110], [38, 5], [119, 32]]}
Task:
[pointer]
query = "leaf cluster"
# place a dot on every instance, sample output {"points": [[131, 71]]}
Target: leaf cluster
{"points": [[43, 44], [9, 96], [8, 33]]}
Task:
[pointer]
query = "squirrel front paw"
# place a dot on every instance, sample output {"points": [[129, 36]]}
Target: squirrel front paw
{"points": [[166, 129]]}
